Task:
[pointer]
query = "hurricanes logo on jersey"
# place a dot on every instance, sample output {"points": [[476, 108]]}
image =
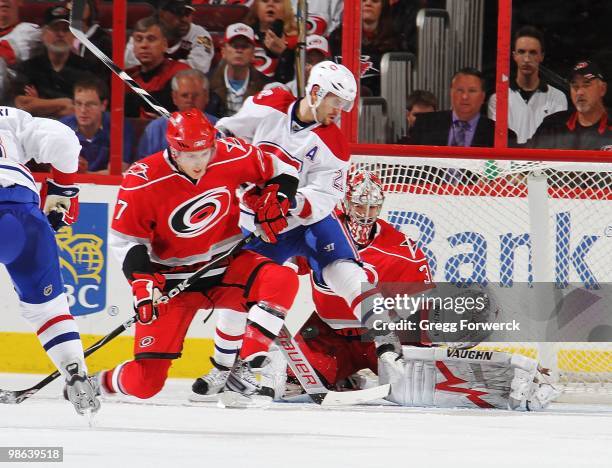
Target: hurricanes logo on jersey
{"points": [[200, 213]]}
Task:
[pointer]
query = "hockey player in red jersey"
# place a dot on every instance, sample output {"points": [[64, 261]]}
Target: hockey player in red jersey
{"points": [[302, 133], [175, 211], [331, 339]]}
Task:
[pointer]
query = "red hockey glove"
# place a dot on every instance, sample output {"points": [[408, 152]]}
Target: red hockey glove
{"points": [[60, 203], [147, 288], [271, 212]]}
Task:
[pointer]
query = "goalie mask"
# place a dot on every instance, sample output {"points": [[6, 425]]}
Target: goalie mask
{"points": [[191, 141], [362, 204]]}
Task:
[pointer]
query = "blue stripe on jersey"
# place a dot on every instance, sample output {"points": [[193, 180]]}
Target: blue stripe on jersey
{"points": [[21, 171], [59, 339], [226, 351]]}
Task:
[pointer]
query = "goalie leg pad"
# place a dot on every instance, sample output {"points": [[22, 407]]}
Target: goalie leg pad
{"points": [[445, 377]]}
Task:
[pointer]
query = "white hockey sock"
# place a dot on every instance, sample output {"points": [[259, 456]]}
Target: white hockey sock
{"points": [[228, 336], [349, 281], [56, 329]]}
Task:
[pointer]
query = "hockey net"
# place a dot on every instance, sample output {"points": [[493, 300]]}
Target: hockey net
{"points": [[510, 224]]}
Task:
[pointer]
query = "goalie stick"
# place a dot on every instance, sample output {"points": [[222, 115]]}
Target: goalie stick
{"points": [[311, 383]]}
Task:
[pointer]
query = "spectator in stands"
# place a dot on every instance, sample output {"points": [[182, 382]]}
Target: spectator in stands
{"points": [[18, 42], [187, 42], [92, 124], [45, 82], [236, 78], [98, 36], [324, 16], [463, 125], [189, 90], [419, 102], [530, 97], [377, 38], [317, 50], [273, 22], [155, 70], [589, 127]]}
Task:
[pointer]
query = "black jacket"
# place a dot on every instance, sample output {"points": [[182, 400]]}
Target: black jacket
{"points": [[562, 130]]}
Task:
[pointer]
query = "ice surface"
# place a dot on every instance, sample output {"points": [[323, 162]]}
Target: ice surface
{"points": [[168, 431]]}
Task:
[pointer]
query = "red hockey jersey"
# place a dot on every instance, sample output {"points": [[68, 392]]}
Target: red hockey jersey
{"points": [[183, 222], [390, 258]]}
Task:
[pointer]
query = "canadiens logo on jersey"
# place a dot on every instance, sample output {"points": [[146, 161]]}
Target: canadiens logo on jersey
{"points": [[200, 213]]}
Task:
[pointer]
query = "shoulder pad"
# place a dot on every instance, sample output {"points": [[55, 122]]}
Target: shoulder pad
{"points": [[277, 98]]}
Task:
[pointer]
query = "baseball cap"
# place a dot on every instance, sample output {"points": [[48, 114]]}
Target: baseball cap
{"points": [[56, 14], [588, 69], [177, 7], [239, 29], [316, 42]]}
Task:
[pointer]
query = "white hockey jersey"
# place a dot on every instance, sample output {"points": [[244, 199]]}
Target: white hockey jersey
{"points": [[319, 153], [19, 43], [195, 48], [23, 137]]}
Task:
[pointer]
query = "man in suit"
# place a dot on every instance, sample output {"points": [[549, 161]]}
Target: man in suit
{"points": [[463, 125]]}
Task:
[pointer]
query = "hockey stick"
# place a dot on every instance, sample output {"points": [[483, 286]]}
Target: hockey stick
{"points": [[76, 27], [187, 282], [311, 383], [17, 396]]}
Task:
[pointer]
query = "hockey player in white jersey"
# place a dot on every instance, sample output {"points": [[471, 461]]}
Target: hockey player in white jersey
{"points": [[28, 248], [302, 133]]}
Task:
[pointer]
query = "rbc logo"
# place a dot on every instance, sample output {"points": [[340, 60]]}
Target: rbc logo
{"points": [[470, 250], [83, 259]]}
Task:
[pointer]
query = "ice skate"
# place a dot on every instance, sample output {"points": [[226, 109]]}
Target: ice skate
{"points": [[80, 390], [206, 388], [242, 390]]}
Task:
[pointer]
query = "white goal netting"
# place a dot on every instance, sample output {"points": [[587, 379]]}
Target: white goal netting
{"points": [[516, 225]]}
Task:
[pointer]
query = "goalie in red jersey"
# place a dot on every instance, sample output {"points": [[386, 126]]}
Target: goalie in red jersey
{"points": [[332, 338], [176, 210]]}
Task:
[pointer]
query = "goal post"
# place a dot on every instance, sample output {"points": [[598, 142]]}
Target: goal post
{"points": [[538, 231]]}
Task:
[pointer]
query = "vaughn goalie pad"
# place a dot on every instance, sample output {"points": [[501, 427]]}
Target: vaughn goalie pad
{"points": [[450, 378]]}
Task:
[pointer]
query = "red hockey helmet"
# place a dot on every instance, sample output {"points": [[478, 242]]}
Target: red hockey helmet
{"points": [[190, 130]]}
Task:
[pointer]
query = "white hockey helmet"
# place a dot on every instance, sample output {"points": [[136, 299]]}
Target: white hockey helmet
{"points": [[332, 78]]}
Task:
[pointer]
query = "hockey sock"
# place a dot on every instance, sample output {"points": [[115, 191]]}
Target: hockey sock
{"points": [[263, 325], [143, 378], [228, 336], [56, 329], [349, 281]]}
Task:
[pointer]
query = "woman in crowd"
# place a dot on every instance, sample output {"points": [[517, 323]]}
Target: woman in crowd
{"points": [[276, 31]]}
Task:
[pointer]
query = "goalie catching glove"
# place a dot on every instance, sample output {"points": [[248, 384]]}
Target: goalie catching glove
{"points": [[60, 203], [271, 208], [147, 289]]}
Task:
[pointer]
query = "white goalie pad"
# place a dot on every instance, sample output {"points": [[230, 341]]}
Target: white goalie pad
{"points": [[449, 378]]}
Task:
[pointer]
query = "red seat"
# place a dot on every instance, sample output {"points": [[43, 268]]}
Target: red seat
{"points": [[135, 12], [218, 17]]}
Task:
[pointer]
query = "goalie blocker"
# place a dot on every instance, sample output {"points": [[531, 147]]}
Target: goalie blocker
{"points": [[450, 378]]}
